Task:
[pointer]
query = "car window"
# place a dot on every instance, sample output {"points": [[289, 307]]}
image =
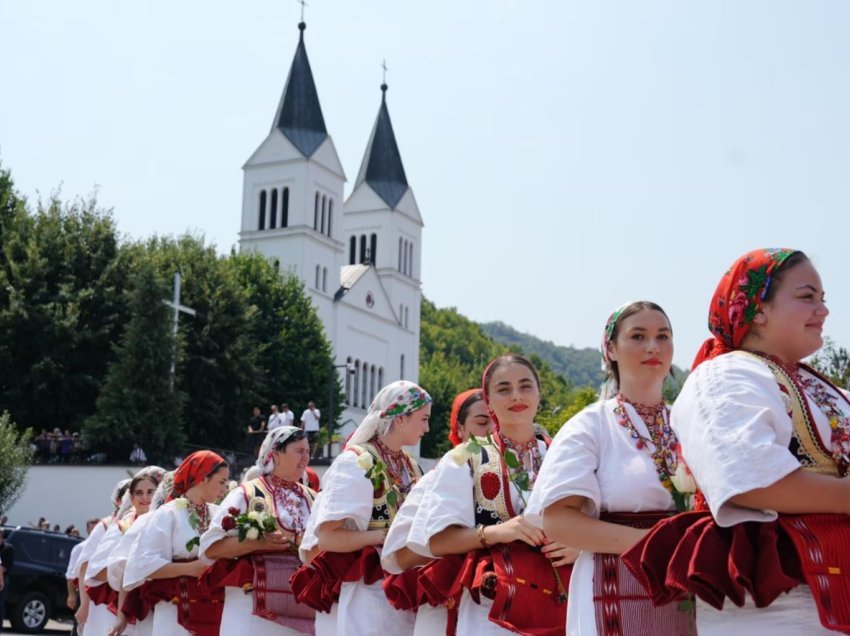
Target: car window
{"points": [[60, 552], [31, 547]]}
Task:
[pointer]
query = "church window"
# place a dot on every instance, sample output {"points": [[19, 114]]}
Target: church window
{"points": [[352, 250], [330, 215], [362, 248], [406, 252], [348, 365], [316, 213], [372, 374], [262, 210], [373, 248], [410, 260], [406, 316], [400, 313], [273, 212], [324, 279], [284, 208], [363, 387], [399, 253], [356, 382], [324, 212], [318, 273], [401, 371], [381, 378]]}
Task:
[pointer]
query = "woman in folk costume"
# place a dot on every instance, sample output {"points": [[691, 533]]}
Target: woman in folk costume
{"points": [[362, 492], [132, 615], [104, 598], [164, 558], [513, 577], [255, 572], [469, 417], [609, 475], [90, 613], [768, 441]]}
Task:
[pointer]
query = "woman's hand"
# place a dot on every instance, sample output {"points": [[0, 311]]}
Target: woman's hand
{"points": [[377, 537], [82, 614], [517, 529], [194, 568], [276, 541], [118, 626], [559, 553]]}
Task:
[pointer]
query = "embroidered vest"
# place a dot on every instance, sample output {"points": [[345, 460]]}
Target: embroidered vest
{"points": [[383, 512], [806, 443], [491, 486], [257, 488]]}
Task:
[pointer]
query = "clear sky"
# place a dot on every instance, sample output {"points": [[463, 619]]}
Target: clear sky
{"points": [[566, 156]]}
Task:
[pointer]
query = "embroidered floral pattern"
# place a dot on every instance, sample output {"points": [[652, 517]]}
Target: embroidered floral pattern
{"points": [[839, 422], [289, 496], [406, 402]]}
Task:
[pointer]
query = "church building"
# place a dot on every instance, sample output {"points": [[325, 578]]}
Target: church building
{"points": [[359, 257]]}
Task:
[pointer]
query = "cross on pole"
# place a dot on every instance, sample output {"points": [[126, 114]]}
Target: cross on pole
{"points": [[303, 4], [177, 307], [384, 66]]}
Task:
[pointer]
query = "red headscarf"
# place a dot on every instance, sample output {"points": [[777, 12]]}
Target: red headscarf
{"points": [[737, 300], [193, 471], [454, 435]]}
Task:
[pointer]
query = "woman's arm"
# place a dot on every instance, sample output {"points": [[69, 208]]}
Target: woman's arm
{"points": [[800, 492], [185, 568], [407, 559], [333, 537], [565, 522], [232, 548], [460, 540]]}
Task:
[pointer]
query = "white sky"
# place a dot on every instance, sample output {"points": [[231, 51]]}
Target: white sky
{"points": [[566, 156]]}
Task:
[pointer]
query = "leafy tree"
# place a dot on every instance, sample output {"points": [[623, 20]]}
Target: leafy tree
{"points": [[15, 458], [834, 362], [137, 403]]}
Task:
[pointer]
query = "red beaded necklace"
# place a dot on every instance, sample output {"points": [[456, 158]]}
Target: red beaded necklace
{"points": [[662, 438]]}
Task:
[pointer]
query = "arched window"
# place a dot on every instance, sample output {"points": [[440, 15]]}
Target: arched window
{"points": [[410, 260], [318, 273], [273, 212], [404, 262], [401, 371], [316, 213], [372, 390], [362, 248], [262, 225], [399, 253], [348, 375], [380, 378], [406, 317], [324, 279], [373, 248], [356, 393], [352, 250], [330, 215], [400, 314], [284, 208], [324, 213], [363, 387]]}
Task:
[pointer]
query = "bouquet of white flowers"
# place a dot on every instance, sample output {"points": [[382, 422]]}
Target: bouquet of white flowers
{"points": [[252, 524]]}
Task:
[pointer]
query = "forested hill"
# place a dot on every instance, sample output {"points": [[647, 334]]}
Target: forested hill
{"points": [[580, 366]]}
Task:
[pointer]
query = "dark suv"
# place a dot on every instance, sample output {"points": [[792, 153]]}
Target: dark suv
{"points": [[35, 587]]}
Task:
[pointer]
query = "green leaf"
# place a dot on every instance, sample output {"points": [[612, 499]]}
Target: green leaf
{"points": [[191, 543], [473, 446], [522, 481], [243, 530], [511, 460], [392, 499]]}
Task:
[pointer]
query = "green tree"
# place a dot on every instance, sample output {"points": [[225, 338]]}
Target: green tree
{"points": [[15, 458], [137, 403], [834, 362]]}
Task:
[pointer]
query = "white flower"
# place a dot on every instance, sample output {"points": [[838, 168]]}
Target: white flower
{"points": [[365, 461], [181, 503], [252, 533], [460, 454], [682, 480], [255, 516]]}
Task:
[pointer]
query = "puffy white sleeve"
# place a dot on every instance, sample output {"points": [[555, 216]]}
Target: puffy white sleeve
{"points": [[90, 544], [346, 496], [117, 562], [399, 532], [152, 550], [448, 502], [570, 466], [74, 561], [735, 431], [215, 533], [100, 558]]}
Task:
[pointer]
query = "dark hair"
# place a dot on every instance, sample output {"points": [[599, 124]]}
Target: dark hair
{"points": [[467, 404], [630, 310], [503, 361], [140, 478], [776, 278], [297, 436], [216, 468]]}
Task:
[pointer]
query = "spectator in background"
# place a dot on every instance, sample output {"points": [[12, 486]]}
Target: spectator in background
{"points": [[7, 561], [310, 424], [275, 419], [137, 456], [66, 446], [256, 431], [287, 415], [3, 520], [57, 527]]}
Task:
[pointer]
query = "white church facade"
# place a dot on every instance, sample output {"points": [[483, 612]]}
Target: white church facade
{"points": [[359, 258]]}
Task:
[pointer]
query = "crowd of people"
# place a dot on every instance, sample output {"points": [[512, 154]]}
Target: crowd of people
{"points": [[725, 513], [309, 422], [58, 447]]}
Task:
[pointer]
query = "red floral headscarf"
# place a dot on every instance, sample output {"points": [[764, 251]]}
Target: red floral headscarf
{"points": [[454, 435], [737, 300], [193, 471]]}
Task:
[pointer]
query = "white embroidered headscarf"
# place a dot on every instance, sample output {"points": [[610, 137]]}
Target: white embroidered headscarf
{"points": [[396, 399], [162, 490], [274, 439]]}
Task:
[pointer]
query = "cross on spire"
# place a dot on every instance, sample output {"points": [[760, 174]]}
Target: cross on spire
{"points": [[303, 4], [384, 66]]}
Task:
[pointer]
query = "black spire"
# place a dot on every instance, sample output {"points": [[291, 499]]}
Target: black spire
{"points": [[382, 168], [299, 115]]}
